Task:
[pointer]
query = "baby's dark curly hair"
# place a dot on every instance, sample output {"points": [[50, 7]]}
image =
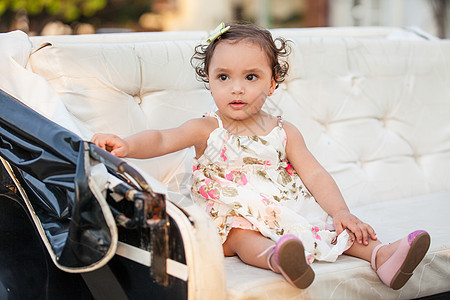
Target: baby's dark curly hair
{"points": [[248, 32]]}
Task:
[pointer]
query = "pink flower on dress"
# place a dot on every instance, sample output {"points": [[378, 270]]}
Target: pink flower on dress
{"points": [[265, 200], [222, 154], [272, 216], [237, 176], [203, 192], [266, 163], [241, 222], [208, 191], [315, 231], [195, 168], [290, 169]]}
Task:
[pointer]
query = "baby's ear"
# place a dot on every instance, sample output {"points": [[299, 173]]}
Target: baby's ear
{"points": [[273, 86]]}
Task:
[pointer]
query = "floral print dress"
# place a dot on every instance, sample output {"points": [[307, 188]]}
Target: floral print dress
{"points": [[246, 182]]}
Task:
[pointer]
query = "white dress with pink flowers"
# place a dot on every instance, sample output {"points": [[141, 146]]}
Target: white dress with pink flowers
{"points": [[246, 182]]}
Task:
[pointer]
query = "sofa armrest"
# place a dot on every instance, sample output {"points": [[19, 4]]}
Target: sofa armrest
{"points": [[203, 250]]}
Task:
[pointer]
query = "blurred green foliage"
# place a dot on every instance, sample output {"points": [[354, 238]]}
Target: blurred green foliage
{"points": [[68, 10], [99, 13]]}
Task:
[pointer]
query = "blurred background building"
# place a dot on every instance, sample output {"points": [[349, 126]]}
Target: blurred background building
{"points": [[91, 16]]}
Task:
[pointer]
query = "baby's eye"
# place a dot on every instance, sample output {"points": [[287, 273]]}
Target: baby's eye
{"points": [[251, 77], [222, 77]]}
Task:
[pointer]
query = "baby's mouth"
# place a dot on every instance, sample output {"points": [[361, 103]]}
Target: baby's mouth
{"points": [[237, 104]]}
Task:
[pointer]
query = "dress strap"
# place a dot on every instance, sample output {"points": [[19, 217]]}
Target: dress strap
{"points": [[214, 115], [280, 121]]}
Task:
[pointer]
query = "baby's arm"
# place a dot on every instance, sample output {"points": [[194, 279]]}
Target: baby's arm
{"points": [[152, 143], [323, 187]]}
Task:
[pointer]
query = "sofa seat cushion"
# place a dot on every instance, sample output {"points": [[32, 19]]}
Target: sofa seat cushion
{"points": [[350, 277]]}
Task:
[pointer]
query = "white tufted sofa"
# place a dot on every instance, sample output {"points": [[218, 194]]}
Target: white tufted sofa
{"points": [[372, 103]]}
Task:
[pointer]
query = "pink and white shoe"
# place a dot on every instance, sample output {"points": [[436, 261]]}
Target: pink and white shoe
{"points": [[289, 257], [397, 270]]}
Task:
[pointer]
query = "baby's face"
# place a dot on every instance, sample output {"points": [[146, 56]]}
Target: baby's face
{"points": [[240, 77]]}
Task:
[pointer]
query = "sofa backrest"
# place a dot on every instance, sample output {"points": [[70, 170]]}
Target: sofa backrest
{"points": [[374, 109]]}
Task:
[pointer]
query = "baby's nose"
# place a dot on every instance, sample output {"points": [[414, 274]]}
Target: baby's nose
{"points": [[238, 88]]}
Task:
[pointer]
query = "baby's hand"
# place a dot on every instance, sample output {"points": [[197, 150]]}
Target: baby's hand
{"points": [[361, 231], [111, 143]]}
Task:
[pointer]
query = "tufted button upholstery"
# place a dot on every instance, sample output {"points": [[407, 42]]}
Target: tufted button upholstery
{"points": [[374, 111], [137, 99]]}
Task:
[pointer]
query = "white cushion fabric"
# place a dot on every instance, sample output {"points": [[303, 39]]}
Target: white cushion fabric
{"points": [[369, 110], [33, 90]]}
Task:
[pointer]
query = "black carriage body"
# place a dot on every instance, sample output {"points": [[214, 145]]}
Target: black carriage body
{"points": [[44, 163]]}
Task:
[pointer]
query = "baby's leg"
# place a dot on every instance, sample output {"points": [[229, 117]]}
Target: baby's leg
{"points": [[394, 263], [286, 257], [362, 251], [365, 251], [248, 245]]}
